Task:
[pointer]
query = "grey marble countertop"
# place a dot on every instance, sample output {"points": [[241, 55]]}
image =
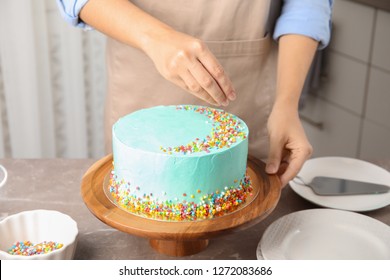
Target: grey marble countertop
{"points": [[55, 184]]}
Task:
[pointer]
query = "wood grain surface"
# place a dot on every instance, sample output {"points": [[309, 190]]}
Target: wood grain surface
{"points": [[180, 238]]}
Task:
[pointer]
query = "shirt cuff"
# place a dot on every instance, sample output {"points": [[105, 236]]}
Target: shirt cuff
{"points": [[306, 17], [70, 10]]}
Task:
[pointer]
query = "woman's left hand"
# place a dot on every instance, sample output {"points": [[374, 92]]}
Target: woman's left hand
{"points": [[289, 146]]}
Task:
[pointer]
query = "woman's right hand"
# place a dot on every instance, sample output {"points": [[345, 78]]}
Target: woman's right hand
{"points": [[180, 58], [187, 62]]}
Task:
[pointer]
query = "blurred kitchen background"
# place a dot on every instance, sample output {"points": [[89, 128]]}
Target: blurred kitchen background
{"points": [[52, 84]]}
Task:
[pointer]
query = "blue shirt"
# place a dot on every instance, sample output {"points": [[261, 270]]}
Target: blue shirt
{"points": [[310, 18]]}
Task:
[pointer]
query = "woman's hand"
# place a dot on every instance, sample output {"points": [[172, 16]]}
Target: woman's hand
{"points": [[188, 63], [289, 147], [180, 58]]}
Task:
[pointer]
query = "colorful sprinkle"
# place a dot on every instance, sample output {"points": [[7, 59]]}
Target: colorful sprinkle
{"points": [[226, 129], [27, 248], [209, 205]]}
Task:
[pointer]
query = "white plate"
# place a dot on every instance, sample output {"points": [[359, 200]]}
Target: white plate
{"points": [[326, 234], [347, 168], [259, 254]]}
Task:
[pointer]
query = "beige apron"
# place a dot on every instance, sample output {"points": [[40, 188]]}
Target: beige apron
{"points": [[237, 33]]}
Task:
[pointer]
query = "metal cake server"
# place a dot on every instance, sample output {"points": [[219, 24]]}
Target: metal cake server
{"points": [[329, 186]]}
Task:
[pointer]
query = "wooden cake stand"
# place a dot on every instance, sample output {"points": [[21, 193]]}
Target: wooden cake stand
{"points": [[178, 238]]}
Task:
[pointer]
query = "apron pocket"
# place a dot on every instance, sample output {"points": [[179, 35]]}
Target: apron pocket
{"points": [[240, 47]]}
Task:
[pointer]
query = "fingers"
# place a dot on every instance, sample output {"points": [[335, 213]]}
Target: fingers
{"points": [[287, 162], [187, 62], [291, 164], [191, 85], [210, 75], [274, 157], [295, 162], [209, 61], [208, 83]]}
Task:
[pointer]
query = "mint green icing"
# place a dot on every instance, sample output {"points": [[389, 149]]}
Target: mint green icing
{"points": [[151, 129], [140, 163]]}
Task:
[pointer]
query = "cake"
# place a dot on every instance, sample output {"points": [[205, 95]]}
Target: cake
{"points": [[179, 163]]}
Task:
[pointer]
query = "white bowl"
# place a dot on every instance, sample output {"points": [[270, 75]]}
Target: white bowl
{"points": [[38, 226]]}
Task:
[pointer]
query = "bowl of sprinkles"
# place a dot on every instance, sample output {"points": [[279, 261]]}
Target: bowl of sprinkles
{"points": [[38, 235]]}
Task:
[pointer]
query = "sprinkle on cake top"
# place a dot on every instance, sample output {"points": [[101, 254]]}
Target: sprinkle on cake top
{"points": [[227, 129]]}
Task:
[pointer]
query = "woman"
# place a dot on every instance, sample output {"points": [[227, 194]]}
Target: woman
{"points": [[213, 52]]}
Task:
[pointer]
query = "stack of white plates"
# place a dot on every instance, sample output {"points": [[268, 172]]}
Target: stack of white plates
{"points": [[322, 234], [334, 232]]}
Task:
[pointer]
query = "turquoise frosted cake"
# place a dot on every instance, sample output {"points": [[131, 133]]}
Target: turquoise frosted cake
{"points": [[180, 162]]}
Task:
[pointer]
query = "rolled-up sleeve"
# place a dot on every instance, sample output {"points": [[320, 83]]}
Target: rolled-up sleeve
{"points": [[310, 18], [70, 10]]}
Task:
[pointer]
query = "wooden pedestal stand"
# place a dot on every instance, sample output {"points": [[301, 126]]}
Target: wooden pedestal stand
{"points": [[179, 238]]}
